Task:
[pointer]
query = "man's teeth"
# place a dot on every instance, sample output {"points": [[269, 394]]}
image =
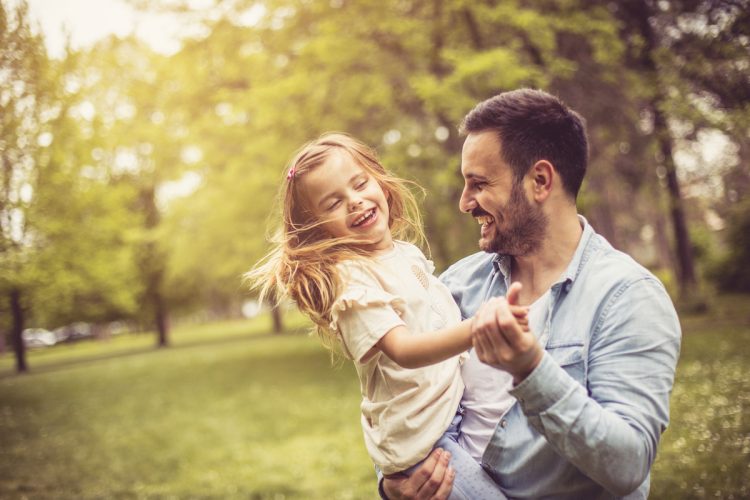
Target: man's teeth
{"points": [[364, 217], [484, 219]]}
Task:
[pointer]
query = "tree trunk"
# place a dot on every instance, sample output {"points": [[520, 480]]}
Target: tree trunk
{"points": [[683, 246], [642, 12], [162, 321], [154, 269], [278, 326], [17, 330], [663, 247]]}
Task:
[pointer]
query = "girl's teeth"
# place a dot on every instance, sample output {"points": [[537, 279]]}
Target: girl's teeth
{"points": [[366, 216]]}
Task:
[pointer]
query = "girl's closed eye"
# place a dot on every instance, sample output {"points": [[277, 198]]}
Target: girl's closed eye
{"points": [[335, 204], [360, 185]]}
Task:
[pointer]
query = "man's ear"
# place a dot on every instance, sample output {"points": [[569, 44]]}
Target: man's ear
{"points": [[543, 176]]}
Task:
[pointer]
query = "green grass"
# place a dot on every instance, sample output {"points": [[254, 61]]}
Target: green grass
{"points": [[705, 452], [117, 345], [237, 416], [232, 412]]}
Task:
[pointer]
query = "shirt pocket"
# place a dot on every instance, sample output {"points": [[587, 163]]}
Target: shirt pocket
{"points": [[570, 355]]}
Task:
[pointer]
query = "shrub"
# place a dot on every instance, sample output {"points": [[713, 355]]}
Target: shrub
{"points": [[732, 272]]}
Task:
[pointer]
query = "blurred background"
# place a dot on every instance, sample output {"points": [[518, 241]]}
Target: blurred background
{"points": [[142, 144]]}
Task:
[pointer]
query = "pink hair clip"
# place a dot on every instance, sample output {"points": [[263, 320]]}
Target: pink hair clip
{"points": [[290, 175]]}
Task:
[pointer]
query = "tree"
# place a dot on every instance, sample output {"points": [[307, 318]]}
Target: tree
{"points": [[143, 140], [638, 16], [22, 69], [400, 75], [53, 268], [693, 56]]}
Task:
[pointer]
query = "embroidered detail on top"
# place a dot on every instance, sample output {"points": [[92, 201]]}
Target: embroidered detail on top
{"points": [[420, 275]]}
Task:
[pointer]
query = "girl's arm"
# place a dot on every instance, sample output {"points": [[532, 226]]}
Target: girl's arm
{"points": [[415, 350]]}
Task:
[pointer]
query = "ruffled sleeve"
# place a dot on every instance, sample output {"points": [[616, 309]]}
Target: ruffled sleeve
{"points": [[364, 311]]}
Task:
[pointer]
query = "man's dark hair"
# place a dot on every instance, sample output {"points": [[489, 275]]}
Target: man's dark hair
{"points": [[533, 125]]}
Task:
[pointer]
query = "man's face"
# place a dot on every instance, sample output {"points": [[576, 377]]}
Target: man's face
{"points": [[510, 223]]}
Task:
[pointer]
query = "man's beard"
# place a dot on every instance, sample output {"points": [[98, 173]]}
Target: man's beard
{"points": [[524, 227]]}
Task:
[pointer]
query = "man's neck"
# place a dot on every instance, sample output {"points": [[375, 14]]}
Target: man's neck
{"points": [[539, 271]]}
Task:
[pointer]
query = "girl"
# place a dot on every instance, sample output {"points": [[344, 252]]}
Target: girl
{"points": [[374, 298]]}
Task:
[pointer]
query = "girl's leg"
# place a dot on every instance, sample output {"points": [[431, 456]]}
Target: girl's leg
{"points": [[471, 482]]}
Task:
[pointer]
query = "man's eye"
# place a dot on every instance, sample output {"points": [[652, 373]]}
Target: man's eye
{"points": [[479, 185]]}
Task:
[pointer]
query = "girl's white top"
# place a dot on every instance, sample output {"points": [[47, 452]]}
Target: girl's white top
{"points": [[404, 411]]}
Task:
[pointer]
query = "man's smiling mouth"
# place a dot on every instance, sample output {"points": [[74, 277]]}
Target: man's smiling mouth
{"points": [[485, 220]]}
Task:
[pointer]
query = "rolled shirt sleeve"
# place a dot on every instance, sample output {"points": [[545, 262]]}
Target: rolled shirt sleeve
{"points": [[611, 428]]}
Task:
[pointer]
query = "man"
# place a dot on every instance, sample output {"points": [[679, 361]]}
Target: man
{"points": [[575, 407]]}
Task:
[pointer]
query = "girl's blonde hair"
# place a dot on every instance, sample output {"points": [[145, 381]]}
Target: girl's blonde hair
{"points": [[302, 263]]}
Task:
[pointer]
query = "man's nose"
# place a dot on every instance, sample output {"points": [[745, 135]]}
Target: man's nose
{"points": [[466, 203]]}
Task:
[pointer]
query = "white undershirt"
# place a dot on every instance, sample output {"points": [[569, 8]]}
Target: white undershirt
{"points": [[486, 397]]}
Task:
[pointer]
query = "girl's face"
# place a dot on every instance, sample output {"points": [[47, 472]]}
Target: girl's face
{"points": [[349, 201]]}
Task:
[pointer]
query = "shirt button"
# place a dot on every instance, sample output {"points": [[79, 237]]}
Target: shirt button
{"points": [[503, 423]]}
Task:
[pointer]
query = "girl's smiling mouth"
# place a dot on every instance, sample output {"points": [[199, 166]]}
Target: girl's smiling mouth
{"points": [[367, 218]]}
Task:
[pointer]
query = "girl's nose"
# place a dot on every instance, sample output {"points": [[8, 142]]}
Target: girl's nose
{"points": [[355, 203]]}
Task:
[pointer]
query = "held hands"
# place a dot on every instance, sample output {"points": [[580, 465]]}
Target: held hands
{"points": [[501, 336]]}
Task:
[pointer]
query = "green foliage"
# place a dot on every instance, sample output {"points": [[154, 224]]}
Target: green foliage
{"points": [[24, 75], [667, 278], [61, 238], [732, 272], [399, 75], [233, 105]]}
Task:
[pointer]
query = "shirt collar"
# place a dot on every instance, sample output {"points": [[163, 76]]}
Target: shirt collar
{"points": [[501, 263], [582, 253]]}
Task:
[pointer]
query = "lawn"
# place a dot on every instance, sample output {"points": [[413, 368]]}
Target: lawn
{"points": [[231, 411]]}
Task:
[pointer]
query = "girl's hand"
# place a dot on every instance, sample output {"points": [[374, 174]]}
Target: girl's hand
{"points": [[521, 313]]}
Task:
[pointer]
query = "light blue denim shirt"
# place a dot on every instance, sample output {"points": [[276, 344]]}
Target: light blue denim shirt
{"points": [[587, 421]]}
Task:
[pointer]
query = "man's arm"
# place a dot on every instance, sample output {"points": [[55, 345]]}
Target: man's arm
{"points": [[611, 428]]}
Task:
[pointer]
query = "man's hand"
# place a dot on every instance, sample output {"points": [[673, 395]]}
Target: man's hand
{"points": [[433, 480], [503, 340]]}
